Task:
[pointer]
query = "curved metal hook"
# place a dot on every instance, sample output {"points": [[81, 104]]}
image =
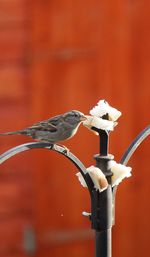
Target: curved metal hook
{"points": [[34, 145], [134, 145], [130, 151]]}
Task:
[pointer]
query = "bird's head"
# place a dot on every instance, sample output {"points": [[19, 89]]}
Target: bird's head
{"points": [[74, 117]]}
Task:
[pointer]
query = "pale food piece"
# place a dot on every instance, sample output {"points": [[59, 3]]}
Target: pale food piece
{"points": [[97, 176], [102, 108], [119, 171], [93, 121]]}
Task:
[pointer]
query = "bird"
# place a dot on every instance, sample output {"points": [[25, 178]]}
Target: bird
{"points": [[55, 129]]}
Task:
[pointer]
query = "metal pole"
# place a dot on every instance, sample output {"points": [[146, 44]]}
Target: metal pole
{"points": [[101, 212], [103, 243], [102, 222]]}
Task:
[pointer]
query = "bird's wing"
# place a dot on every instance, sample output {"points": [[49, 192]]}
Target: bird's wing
{"points": [[44, 126]]}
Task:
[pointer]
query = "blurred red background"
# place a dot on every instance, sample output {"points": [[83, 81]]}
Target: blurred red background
{"points": [[61, 55]]}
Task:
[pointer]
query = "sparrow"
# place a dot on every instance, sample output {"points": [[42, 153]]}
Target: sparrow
{"points": [[55, 129]]}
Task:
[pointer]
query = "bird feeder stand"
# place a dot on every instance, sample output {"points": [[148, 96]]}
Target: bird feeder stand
{"points": [[102, 203]]}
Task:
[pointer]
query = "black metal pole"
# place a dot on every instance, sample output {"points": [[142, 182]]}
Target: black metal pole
{"points": [[103, 224], [101, 212], [103, 243]]}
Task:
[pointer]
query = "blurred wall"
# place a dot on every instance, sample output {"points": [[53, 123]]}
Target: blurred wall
{"points": [[57, 56]]}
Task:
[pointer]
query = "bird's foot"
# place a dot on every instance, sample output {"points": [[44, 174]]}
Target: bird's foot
{"points": [[66, 150], [51, 146], [56, 147]]}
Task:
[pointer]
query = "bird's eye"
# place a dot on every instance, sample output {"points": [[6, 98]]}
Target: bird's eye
{"points": [[76, 114]]}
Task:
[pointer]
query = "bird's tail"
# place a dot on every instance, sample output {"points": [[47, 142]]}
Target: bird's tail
{"points": [[18, 132]]}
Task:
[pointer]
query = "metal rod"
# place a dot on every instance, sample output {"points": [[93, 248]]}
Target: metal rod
{"points": [[127, 155], [134, 145], [104, 139], [130, 151], [103, 243], [102, 201], [60, 149]]}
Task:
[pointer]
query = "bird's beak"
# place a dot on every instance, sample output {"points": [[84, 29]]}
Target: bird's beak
{"points": [[83, 117]]}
